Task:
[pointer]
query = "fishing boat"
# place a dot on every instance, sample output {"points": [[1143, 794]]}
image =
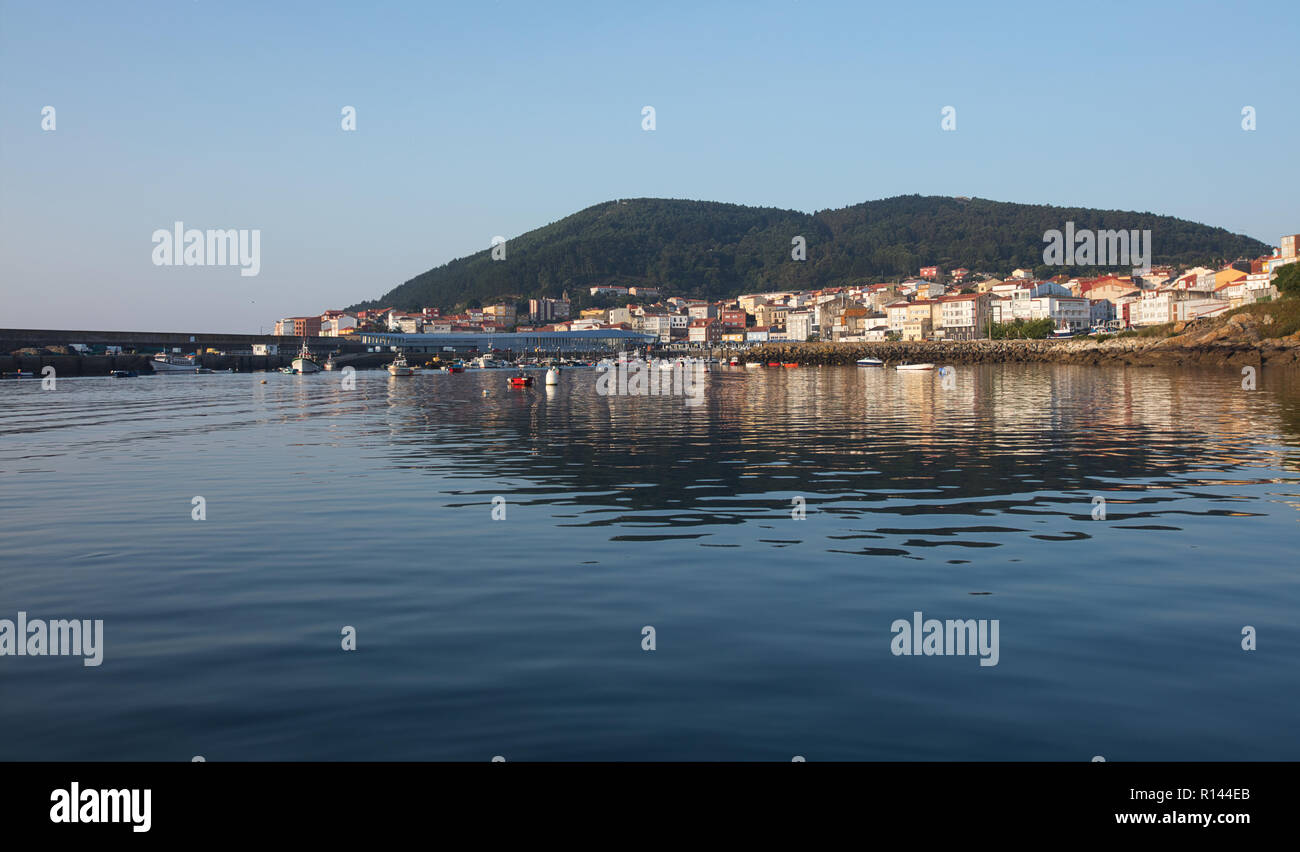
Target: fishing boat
{"points": [[1062, 332], [553, 376], [399, 367], [734, 362], [870, 362], [331, 364], [914, 367], [304, 363], [521, 381], [164, 363]]}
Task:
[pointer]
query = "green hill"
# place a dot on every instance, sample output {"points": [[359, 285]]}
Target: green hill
{"points": [[712, 250]]}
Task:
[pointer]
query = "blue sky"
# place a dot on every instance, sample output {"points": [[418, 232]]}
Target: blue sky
{"points": [[495, 118]]}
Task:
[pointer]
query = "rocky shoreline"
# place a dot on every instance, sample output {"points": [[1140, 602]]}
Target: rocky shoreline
{"points": [[1236, 342]]}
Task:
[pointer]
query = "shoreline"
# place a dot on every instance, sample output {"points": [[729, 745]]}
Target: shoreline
{"points": [[1132, 352], [1253, 337]]}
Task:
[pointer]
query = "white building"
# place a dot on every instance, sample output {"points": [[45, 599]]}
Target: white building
{"points": [[897, 314], [338, 325], [660, 324], [799, 325]]}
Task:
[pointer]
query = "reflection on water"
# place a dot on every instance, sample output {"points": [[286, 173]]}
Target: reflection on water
{"points": [[372, 508]]}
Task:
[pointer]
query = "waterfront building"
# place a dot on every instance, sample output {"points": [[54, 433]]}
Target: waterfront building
{"points": [[705, 332], [896, 312], [298, 327], [799, 325], [918, 328], [965, 316]]}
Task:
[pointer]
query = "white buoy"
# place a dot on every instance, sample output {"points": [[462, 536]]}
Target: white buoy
{"points": [[553, 376]]}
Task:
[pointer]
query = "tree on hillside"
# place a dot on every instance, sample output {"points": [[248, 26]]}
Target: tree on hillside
{"points": [[1287, 281]]}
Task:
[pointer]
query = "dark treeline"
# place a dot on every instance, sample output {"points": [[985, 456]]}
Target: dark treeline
{"points": [[711, 250]]}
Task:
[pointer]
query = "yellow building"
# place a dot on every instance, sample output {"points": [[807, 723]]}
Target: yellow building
{"points": [[917, 329], [1227, 276]]}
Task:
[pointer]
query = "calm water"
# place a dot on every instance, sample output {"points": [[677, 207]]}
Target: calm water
{"points": [[522, 637]]}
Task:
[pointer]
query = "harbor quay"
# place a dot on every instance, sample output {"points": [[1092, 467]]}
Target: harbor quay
{"points": [[75, 352]]}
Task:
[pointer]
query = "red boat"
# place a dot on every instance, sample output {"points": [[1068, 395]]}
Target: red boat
{"points": [[789, 365], [521, 381], [773, 363]]}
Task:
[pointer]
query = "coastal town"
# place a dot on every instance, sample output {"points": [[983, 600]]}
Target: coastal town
{"points": [[935, 305]]}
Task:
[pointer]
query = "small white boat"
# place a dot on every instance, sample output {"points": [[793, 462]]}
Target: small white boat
{"points": [[914, 367], [870, 362], [304, 363], [752, 364], [399, 367], [553, 376]]}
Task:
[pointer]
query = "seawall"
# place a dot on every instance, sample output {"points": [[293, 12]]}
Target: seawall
{"points": [[1131, 351]]}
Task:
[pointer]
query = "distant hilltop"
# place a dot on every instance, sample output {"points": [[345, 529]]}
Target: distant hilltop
{"points": [[711, 250]]}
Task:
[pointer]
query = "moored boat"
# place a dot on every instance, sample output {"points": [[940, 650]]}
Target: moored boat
{"points": [[304, 363], [914, 367], [870, 362], [521, 381], [399, 367], [123, 374], [164, 363]]}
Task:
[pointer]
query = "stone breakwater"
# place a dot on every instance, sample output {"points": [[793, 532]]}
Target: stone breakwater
{"points": [[1134, 351]]}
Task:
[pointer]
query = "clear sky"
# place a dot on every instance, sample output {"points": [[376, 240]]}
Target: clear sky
{"points": [[478, 119]]}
